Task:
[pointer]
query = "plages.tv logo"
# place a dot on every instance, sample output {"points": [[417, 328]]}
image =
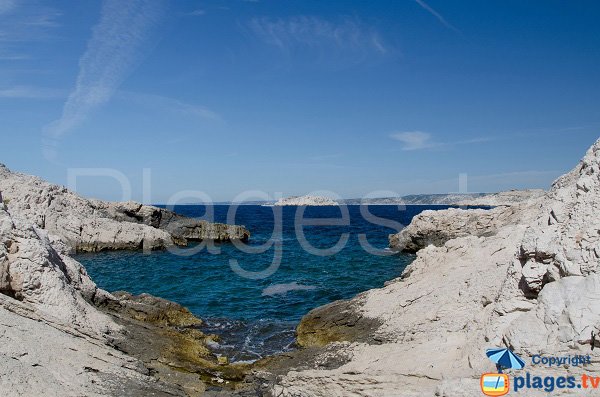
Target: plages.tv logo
{"points": [[498, 384], [494, 384]]}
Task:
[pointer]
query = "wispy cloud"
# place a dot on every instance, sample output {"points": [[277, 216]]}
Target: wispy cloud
{"points": [[418, 140], [436, 14], [168, 104], [26, 21], [7, 6], [197, 13], [117, 45], [13, 56], [28, 92], [347, 35], [414, 140], [326, 156]]}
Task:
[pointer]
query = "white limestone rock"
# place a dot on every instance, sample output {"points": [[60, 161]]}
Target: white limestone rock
{"points": [[34, 272], [303, 201], [510, 197], [435, 227], [524, 276], [94, 225], [41, 356]]}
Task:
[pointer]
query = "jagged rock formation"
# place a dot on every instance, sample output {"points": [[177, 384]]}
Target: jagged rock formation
{"points": [[530, 282], [302, 201], [437, 227], [94, 225], [107, 345], [47, 311], [510, 197], [35, 272]]}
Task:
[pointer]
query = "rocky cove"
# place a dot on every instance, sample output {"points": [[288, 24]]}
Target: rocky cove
{"points": [[522, 276]]}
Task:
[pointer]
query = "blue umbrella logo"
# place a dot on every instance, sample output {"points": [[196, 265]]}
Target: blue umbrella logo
{"points": [[505, 358]]}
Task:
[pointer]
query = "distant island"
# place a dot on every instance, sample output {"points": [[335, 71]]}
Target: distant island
{"points": [[453, 199], [302, 201]]}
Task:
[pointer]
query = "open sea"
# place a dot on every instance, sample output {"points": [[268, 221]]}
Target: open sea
{"points": [[255, 316]]}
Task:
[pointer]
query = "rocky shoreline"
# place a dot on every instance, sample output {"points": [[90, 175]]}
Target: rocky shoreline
{"points": [[84, 225], [108, 344], [523, 276]]}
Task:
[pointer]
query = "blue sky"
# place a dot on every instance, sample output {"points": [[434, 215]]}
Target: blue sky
{"points": [[298, 96]]}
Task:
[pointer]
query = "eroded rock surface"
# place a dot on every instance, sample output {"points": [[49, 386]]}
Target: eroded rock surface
{"points": [[53, 339], [525, 277], [60, 335], [94, 225], [437, 227], [40, 356], [35, 272]]}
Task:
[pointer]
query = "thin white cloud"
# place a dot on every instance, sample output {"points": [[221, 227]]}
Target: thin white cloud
{"points": [[326, 156], [414, 140], [164, 103], [501, 181], [115, 48], [197, 13], [8, 56], [508, 176], [436, 14], [28, 92], [418, 140], [345, 35], [23, 22]]}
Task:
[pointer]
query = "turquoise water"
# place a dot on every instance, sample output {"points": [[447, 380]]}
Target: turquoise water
{"points": [[257, 317]]}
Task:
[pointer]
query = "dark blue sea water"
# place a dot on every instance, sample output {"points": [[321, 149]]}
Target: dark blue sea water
{"points": [[257, 317]]}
